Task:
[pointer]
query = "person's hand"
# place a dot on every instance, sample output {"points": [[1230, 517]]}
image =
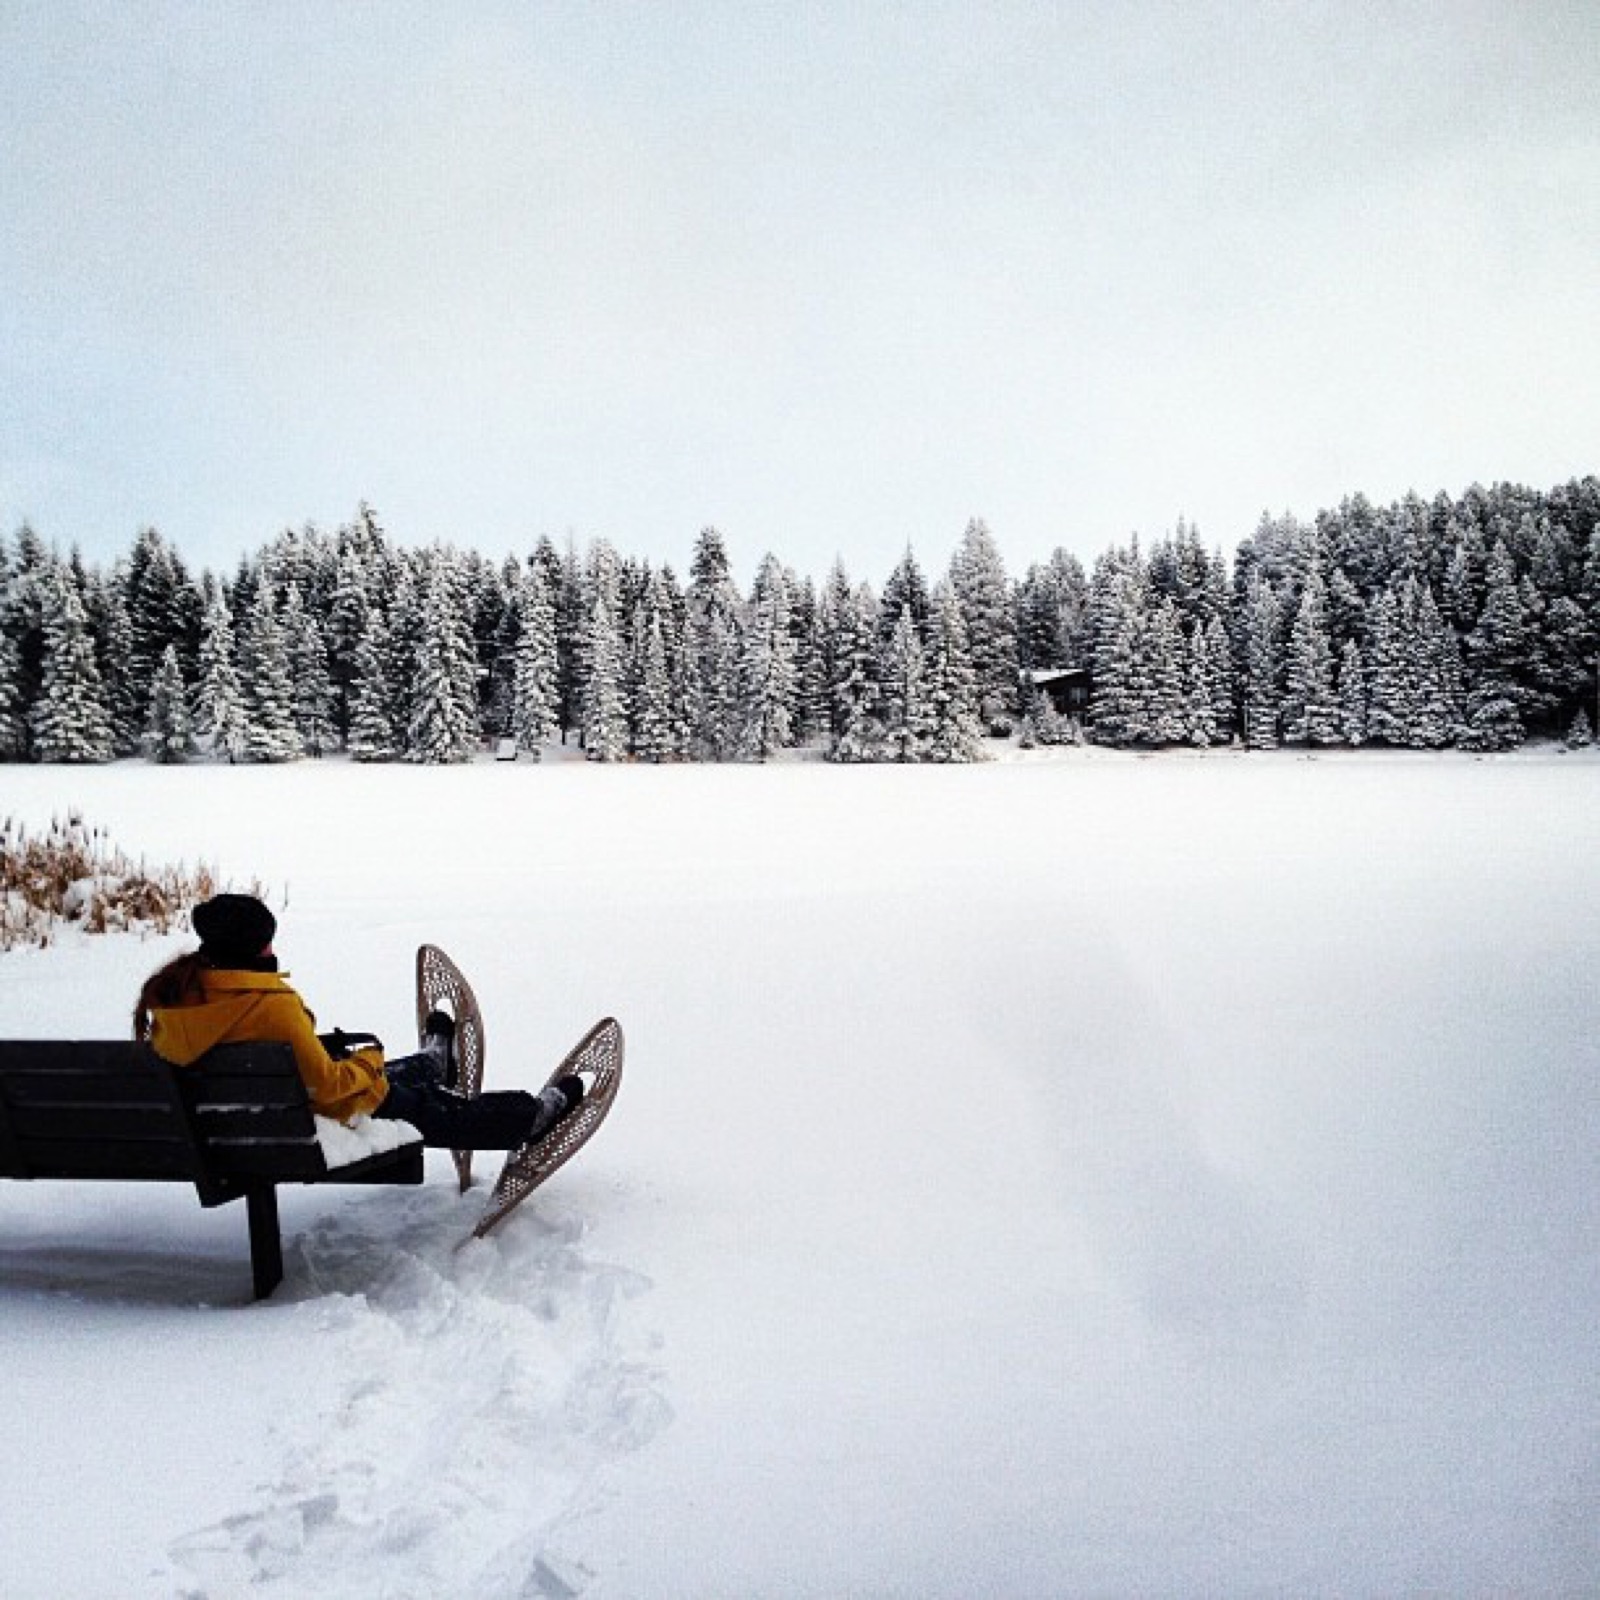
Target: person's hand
{"points": [[339, 1044]]}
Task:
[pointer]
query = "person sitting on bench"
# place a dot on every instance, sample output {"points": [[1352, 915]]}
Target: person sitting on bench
{"points": [[231, 991]]}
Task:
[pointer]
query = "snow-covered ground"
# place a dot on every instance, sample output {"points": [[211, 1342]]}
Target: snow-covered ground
{"points": [[1080, 1174]]}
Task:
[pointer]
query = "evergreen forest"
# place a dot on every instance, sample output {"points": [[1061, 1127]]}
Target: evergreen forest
{"points": [[1471, 623]]}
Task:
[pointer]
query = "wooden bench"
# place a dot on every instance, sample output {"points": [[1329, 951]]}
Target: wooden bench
{"points": [[235, 1125]]}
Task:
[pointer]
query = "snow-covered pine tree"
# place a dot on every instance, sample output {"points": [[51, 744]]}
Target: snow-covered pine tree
{"points": [[1263, 665], [1199, 706], [348, 609], [1050, 727], [1218, 590], [978, 576], [572, 624], [22, 618], [803, 632], [1464, 576], [905, 711], [1391, 673], [269, 683], [146, 583], [535, 691], [372, 735], [486, 604], [1495, 649], [221, 717], [834, 603], [459, 577], [856, 691], [1347, 611], [308, 670], [1438, 708], [715, 649], [1121, 699], [13, 721], [770, 683], [905, 587], [1175, 570], [1036, 629], [1589, 581], [1493, 719], [1352, 689], [401, 639], [163, 608], [635, 589], [353, 606], [1539, 703], [168, 735], [240, 592], [70, 720], [811, 697], [1554, 564], [14, 701], [605, 705], [955, 732], [1219, 678], [1414, 542], [1581, 733], [292, 558], [1588, 598], [1561, 665], [1164, 686], [1200, 579], [499, 715], [1053, 614], [442, 726], [1310, 704], [656, 736], [1279, 553], [108, 622], [674, 610]]}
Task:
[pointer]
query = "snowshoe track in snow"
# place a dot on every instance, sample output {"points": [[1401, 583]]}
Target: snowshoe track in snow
{"points": [[481, 1394]]}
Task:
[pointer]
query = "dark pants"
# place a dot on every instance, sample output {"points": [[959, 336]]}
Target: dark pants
{"points": [[498, 1120]]}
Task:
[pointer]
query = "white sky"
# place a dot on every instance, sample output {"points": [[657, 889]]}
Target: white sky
{"points": [[830, 277]]}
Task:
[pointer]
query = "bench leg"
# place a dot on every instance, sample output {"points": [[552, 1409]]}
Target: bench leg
{"points": [[266, 1247]]}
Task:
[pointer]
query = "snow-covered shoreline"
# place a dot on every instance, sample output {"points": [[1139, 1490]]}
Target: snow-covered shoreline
{"points": [[1084, 1172]]}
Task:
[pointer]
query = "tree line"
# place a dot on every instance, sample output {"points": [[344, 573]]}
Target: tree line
{"points": [[1470, 622]]}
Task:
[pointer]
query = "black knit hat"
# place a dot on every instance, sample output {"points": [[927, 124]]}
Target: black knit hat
{"points": [[234, 929]]}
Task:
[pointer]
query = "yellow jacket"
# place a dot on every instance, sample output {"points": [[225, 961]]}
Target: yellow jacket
{"points": [[245, 1006]]}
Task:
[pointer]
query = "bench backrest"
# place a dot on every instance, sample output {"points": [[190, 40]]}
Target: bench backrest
{"points": [[92, 1108]]}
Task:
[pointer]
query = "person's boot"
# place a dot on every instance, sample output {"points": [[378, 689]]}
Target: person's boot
{"points": [[551, 1104], [438, 1041]]}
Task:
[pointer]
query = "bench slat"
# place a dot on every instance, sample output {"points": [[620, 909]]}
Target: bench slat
{"points": [[290, 1163], [201, 1087], [30, 1122], [104, 1158], [255, 1122], [56, 1086], [401, 1165], [80, 1055]]}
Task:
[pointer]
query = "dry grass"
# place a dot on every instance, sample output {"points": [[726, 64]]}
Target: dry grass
{"points": [[73, 874]]}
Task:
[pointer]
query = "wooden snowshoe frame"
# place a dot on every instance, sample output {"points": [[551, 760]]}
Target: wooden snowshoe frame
{"points": [[597, 1059], [440, 986]]}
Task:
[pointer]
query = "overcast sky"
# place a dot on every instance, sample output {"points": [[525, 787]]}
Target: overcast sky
{"points": [[831, 277]]}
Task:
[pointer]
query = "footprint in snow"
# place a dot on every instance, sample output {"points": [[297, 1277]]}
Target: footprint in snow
{"points": [[489, 1386]]}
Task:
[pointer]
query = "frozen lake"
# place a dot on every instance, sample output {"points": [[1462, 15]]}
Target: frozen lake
{"points": [[1082, 1173]]}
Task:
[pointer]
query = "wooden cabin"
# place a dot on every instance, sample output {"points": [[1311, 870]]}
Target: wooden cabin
{"points": [[1066, 688]]}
